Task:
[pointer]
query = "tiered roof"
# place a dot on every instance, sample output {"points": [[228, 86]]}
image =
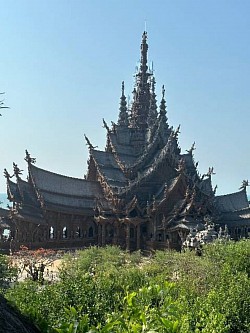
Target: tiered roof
{"points": [[142, 166], [51, 191], [232, 202], [142, 155]]}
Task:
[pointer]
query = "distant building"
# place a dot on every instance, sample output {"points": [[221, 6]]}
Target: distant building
{"points": [[142, 192]]}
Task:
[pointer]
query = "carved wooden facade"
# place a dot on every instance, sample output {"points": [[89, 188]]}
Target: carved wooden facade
{"points": [[141, 192]]}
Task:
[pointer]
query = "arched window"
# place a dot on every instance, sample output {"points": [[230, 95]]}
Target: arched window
{"points": [[91, 232], [65, 233], [78, 232], [51, 233]]}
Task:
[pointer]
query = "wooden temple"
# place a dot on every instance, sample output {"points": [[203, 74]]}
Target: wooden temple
{"points": [[141, 192]]}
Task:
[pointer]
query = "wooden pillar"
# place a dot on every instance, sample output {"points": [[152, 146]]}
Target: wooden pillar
{"points": [[103, 234], [138, 237], [72, 231], [99, 236], [117, 233], [128, 237], [154, 229]]}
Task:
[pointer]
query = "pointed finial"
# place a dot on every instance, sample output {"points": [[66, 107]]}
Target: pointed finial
{"points": [[163, 91], [17, 171], [145, 25], [210, 171], [28, 158], [190, 151], [163, 110], [144, 36], [7, 175], [177, 131], [105, 125], [122, 88], [244, 184], [90, 146]]}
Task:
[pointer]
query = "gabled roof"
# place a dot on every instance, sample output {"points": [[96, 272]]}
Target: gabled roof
{"points": [[13, 191], [206, 186], [104, 159], [31, 214], [109, 168], [27, 193], [238, 218], [51, 182], [64, 203], [232, 202], [124, 151], [189, 161]]}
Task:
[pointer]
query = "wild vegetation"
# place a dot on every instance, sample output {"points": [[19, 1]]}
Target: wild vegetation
{"points": [[109, 290]]}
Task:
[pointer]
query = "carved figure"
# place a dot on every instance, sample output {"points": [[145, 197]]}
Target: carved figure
{"points": [[90, 146], [28, 158], [17, 171], [244, 184]]}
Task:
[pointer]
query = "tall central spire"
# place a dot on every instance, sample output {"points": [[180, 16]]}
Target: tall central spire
{"points": [[143, 75], [140, 106]]}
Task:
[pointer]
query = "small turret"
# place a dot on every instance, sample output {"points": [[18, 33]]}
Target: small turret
{"points": [[163, 110], [123, 115]]}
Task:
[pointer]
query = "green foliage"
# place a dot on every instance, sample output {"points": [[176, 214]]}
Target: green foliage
{"points": [[8, 273], [108, 290]]}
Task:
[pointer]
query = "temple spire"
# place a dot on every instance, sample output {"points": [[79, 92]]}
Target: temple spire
{"points": [[163, 111], [152, 115], [144, 53], [123, 115], [140, 106]]}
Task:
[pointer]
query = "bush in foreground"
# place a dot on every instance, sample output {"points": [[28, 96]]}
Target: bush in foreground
{"points": [[108, 290]]}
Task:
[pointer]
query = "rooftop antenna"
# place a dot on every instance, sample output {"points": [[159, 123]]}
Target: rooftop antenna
{"points": [[145, 25]]}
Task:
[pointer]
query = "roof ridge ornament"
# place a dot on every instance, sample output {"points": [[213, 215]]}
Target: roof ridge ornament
{"points": [[163, 91], [192, 148], [177, 131], [210, 172], [17, 171], [244, 184], [28, 158], [7, 175], [105, 125], [89, 144]]}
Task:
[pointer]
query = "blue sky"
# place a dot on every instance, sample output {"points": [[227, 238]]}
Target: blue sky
{"points": [[62, 63]]}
